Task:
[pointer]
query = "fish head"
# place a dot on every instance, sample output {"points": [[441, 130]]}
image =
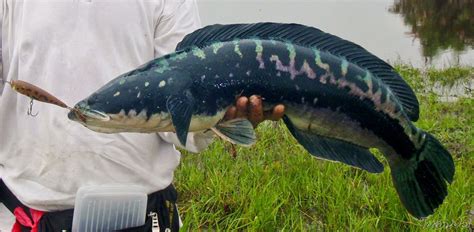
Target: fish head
{"points": [[129, 103]]}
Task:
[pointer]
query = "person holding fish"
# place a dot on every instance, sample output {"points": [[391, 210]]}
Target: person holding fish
{"points": [[72, 48]]}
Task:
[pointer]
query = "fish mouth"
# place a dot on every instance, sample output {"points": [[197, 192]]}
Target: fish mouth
{"points": [[83, 115], [74, 115]]}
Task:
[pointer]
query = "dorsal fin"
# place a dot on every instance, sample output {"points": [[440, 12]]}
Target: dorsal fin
{"points": [[311, 37]]}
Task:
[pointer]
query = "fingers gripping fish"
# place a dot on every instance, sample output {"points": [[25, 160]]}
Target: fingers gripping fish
{"points": [[340, 101]]}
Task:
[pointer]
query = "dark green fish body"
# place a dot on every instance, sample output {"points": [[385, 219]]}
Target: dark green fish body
{"points": [[340, 100]]}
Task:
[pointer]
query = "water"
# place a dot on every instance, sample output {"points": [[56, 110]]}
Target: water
{"points": [[423, 33], [452, 93]]}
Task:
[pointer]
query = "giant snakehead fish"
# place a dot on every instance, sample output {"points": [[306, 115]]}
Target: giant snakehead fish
{"points": [[340, 100]]}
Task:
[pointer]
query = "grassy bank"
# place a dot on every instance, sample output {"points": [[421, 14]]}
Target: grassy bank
{"points": [[277, 185]]}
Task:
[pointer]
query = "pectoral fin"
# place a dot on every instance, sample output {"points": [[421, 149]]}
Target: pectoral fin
{"points": [[181, 108], [237, 131]]}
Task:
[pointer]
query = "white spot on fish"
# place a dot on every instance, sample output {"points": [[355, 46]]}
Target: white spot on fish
{"points": [[163, 66], [178, 56], [237, 49], [368, 81], [216, 47], [162, 83], [122, 82], [138, 95], [291, 49], [203, 77], [278, 74], [237, 65], [344, 66], [147, 84], [231, 75], [216, 76], [302, 100], [199, 53], [297, 87], [315, 100], [248, 72], [116, 94]]}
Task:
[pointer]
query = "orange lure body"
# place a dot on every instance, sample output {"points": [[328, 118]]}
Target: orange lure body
{"points": [[36, 93]]}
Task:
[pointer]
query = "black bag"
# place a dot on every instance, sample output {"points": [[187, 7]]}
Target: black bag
{"points": [[162, 212]]}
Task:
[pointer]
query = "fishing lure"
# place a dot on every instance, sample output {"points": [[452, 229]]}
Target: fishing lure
{"points": [[35, 93], [39, 94]]}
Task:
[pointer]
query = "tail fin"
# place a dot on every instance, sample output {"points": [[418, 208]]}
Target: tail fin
{"points": [[421, 181]]}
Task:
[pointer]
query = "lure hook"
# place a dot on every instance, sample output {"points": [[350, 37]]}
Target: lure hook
{"points": [[30, 109]]}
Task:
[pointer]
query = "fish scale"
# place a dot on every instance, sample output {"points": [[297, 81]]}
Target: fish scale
{"points": [[339, 99]]}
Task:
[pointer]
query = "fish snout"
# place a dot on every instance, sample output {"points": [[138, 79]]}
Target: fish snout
{"points": [[76, 115], [72, 116]]}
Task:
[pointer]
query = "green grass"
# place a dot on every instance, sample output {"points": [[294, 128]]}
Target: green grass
{"points": [[277, 185]]}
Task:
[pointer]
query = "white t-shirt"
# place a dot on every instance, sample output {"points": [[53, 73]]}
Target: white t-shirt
{"points": [[71, 48]]}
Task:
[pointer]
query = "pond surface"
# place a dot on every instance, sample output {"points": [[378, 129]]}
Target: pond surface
{"points": [[423, 33]]}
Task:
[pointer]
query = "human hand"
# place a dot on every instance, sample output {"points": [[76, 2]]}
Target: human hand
{"points": [[252, 109]]}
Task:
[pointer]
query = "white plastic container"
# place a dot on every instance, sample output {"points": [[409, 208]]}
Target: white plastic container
{"points": [[108, 208]]}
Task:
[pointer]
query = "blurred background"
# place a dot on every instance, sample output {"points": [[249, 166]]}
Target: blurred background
{"points": [[433, 33]]}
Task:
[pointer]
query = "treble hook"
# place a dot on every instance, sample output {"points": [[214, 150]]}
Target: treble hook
{"points": [[30, 109]]}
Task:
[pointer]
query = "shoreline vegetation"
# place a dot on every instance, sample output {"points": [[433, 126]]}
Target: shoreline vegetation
{"points": [[277, 185]]}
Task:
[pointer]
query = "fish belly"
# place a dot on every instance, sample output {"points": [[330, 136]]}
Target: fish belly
{"points": [[204, 122], [332, 124]]}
